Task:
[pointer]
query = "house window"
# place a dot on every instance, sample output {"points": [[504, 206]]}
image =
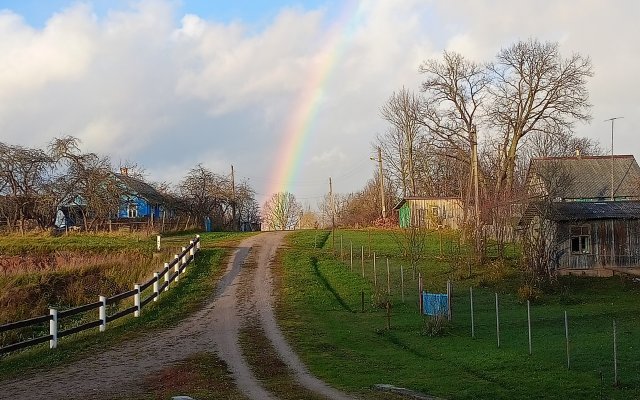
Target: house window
{"points": [[434, 211], [580, 239], [132, 211]]}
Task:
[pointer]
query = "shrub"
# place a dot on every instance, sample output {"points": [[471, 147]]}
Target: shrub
{"points": [[529, 292], [435, 326]]}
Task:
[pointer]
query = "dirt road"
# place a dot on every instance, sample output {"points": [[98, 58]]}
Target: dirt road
{"points": [[120, 371]]}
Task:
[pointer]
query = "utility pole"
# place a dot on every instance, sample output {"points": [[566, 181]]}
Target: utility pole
{"points": [[333, 215], [612, 159], [233, 199], [474, 167], [384, 207]]}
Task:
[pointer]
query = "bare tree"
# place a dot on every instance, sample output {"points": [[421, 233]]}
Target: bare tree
{"points": [[281, 211], [534, 89], [403, 112]]}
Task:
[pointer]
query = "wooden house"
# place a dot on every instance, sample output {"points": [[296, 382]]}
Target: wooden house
{"points": [[141, 201], [430, 212], [592, 208]]}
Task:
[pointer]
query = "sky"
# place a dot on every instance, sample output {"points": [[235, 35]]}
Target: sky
{"points": [[288, 92]]}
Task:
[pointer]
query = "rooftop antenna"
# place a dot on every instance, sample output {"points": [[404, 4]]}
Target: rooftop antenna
{"points": [[612, 120]]}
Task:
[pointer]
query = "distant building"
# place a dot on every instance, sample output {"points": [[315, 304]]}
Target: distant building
{"points": [[593, 206], [430, 212]]}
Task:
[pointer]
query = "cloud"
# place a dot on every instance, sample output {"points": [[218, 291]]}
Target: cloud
{"points": [[161, 85]]}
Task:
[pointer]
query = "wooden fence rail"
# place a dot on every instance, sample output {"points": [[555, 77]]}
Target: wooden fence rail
{"points": [[178, 264]]}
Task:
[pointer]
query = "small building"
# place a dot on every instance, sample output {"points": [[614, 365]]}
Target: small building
{"points": [[142, 202], [430, 212], [590, 207]]}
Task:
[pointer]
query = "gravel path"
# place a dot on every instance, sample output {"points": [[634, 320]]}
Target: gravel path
{"points": [[117, 372]]}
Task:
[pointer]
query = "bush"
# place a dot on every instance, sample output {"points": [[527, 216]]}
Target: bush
{"points": [[435, 326], [529, 292]]}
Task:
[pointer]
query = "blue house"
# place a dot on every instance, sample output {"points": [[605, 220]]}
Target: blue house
{"points": [[141, 200]]}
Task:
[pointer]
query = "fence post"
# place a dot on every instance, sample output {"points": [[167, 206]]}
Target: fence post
{"points": [[341, 252], [420, 305], [351, 252], [166, 276], [198, 245], [158, 242], [566, 334], [449, 293], [529, 323], [375, 276], [615, 355], [388, 278], [53, 328], [402, 283], [185, 259], [362, 261], [497, 321], [103, 313], [136, 300], [156, 286], [192, 250], [473, 327], [176, 268]]}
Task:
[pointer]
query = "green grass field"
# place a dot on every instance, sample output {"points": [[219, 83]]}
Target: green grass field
{"points": [[320, 310]]}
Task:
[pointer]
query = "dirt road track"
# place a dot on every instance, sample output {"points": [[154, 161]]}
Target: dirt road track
{"points": [[117, 372]]}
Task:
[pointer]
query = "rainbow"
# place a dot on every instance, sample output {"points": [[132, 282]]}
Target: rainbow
{"points": [[299, 126]]}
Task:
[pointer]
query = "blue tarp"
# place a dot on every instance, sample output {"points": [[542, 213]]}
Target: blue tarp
{"points": [[435, 303]]}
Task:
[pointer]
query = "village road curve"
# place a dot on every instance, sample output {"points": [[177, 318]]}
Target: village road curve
{"points": [[121, 370]]}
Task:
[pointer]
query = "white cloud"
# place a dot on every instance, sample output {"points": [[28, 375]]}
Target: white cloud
{"points": [[169, 89]]}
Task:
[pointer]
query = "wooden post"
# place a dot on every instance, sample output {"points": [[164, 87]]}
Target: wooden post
{"points": [[362, 299], [166, 276], [388, 279], [156, 286], [449, 300], [420, 305], [351, 255], [103, 313], [198, 245], [529, 323], [473, 327], [566, 335], [375, 276], [158, 242], [402, 283], [615, 355], [53, 328], [362, 261], [497, 321], [176, 268], [136, 300], [184, 259]]}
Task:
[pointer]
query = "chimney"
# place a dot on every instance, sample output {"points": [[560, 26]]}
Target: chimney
{"points": [[124, 171]]}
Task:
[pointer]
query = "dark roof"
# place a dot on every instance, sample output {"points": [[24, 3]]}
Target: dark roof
{"points": [[582, 210], [137, 187], [588, 177]]}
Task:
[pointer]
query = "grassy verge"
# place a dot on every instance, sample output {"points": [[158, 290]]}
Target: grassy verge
{"points": [[320, 312], [192, 291]]}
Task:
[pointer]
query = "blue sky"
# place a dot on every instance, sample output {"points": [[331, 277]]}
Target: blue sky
{"points": [[169, 84]]}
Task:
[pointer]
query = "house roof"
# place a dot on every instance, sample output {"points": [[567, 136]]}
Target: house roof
{"points": [[582, 210], [142, 189], [587, 177], [403, 201]]}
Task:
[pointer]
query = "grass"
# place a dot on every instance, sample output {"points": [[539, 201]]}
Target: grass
{"points": [[320, 312], [181, 300]]}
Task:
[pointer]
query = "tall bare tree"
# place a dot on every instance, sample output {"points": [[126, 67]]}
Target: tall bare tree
{"points": [[534, 89], [403, 111]]}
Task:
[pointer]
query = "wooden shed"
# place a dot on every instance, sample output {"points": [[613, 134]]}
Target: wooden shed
{"points": [[593, 206], [430, 212]]}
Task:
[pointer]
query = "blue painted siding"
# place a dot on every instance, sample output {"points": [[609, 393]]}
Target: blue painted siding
{"points": [[144, 208]]}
